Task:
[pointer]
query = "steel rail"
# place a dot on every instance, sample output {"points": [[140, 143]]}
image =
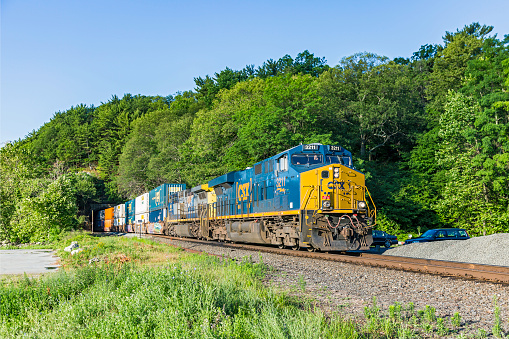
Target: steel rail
{"points": [[491, 273]]}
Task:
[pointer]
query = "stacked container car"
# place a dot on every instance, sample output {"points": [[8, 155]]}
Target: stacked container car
{"points": [[158, 206], [108, 219], [141, 208], [119, 215], [130, 215]]}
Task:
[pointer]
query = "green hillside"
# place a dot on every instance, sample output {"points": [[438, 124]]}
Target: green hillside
{"points": [[431, 131]]}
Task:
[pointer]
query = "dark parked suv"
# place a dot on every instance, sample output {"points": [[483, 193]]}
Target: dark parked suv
{"points": [[441, 234], [381, 238]]}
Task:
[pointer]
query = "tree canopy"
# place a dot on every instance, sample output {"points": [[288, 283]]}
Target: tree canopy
{"points": [[430, 130]]}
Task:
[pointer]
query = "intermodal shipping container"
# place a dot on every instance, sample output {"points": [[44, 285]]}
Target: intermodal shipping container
{"points": [[157, 215], [131, 219], [172, 188], [108, 224], [108, 213], [120, 221], [141, 218], [99, 226], [141, 204], [101, 214], [119, 211], [158, 197], [129, 210]]}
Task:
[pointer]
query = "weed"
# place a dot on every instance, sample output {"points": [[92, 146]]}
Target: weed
{"points": [[497, 324], [441, 328], [405, 333], [373, 311], [429, 314], [410, 309], [481, 333], [456, 320], [302, 283], [395, 312], [372, 314], [427, 327]]}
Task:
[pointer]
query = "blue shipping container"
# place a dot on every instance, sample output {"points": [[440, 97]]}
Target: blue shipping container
{"points": [[157, 215], [129, 207], [130, 212], [158, 197]]}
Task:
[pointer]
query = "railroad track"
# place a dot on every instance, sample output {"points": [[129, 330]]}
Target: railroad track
{"points": [[497, 274]]}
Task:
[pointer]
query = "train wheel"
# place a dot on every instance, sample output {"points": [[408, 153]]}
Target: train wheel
{"points": [[311, 249], [281, 246], [296, 247]]}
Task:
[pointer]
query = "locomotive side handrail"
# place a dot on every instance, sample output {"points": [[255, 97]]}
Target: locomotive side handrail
{"points": [[371, 213], [303, 207]]}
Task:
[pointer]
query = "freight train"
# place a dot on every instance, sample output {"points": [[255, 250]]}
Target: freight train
{"points": [[310, 196]]}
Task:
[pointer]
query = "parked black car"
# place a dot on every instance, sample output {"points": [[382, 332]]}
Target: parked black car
{"points": [[381, 238], [440, 234]]}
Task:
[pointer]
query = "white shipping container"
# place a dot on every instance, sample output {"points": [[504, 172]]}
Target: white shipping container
{"points": [[120, 221], [141, 218], [141, 204], [119, 211]]}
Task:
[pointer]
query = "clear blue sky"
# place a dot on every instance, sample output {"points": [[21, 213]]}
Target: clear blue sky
{"points": [[60, 53]]}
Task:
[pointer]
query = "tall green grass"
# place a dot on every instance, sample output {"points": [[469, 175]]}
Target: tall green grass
{"points": [[157, 302], [193, 296], [180, 295]]}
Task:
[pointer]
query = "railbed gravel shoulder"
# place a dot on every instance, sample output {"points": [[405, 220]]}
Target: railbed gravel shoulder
{"points": [[488, 250], [348, 288]]}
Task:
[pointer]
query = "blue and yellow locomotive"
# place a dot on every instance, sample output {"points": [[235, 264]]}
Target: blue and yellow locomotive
{"points": [[309, 196]]}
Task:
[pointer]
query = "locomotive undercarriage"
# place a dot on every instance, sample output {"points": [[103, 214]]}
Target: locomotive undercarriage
{"points": [[311, 230], [336, 232]]}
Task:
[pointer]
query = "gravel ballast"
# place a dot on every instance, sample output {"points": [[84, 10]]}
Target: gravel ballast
{"points": [[348, 288], [487, 250]]}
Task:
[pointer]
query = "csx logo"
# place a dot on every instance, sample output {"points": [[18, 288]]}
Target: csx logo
{"points": [[243, 192], [335, 183]]}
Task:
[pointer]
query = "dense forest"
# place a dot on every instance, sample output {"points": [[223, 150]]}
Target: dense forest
{"points": [[430, 131]]}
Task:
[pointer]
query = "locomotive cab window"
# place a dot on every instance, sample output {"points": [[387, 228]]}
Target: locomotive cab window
{"points": [[282, 163], [337, 159], [305, 159]]}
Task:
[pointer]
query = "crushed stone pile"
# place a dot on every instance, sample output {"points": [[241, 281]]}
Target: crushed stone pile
{"points": [[488, 250]]}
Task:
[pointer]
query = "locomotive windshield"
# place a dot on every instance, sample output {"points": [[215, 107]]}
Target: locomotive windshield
{"points": [[305, 159], [336, 159]]}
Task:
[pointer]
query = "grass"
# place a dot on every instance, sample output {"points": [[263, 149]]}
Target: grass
{"points": [[136, 288]]}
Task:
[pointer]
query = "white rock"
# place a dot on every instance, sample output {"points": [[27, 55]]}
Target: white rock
{"points": [[76, 251], [72, 246]]}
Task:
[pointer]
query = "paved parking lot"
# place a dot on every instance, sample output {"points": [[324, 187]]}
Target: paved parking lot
{"points": [[27, 261]]}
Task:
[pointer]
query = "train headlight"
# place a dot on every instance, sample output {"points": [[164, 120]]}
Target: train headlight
{"points": [[326, 204], [336, 172], [361, 205]]}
